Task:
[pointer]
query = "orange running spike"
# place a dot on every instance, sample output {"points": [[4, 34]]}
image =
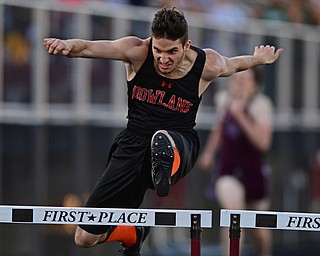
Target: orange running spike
{"points": [[125, 234], [176, 162]]}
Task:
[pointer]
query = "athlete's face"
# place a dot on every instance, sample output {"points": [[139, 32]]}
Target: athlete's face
{"points": [[168, 54]]}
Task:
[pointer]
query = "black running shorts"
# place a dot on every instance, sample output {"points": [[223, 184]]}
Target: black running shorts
{"points": [[128, 171]]}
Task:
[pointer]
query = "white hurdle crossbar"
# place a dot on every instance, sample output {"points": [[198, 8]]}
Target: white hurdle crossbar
{"points": [[102, 216], [193, 219], [272, 220], [237, 219]]}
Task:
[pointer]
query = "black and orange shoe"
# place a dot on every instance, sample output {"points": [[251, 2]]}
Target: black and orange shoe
{"points": [[165, 161], [134, 250]]}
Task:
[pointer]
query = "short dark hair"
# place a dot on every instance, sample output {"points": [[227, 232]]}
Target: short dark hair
{"points": [[170, 24]]}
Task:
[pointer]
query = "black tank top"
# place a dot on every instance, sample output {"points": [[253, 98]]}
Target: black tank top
{"points": [[156, 102]]}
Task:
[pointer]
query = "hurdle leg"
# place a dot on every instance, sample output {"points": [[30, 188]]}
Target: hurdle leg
{"points": [[234, 234], [195, 233]]}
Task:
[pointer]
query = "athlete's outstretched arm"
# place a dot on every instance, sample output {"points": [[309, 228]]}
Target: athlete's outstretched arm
{"points": [[122, 49], [262, 55], [218, 65]]}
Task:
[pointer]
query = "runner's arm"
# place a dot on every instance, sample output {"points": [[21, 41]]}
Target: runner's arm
{"points": [[122, 49], [221, 66]]}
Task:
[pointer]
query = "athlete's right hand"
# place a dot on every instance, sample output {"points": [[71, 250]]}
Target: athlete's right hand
{"points": [[57, 46]]}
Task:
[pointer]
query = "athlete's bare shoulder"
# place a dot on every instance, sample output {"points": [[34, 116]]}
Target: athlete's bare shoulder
{"points": [[136, 55], [213, 66], [136, 49]]}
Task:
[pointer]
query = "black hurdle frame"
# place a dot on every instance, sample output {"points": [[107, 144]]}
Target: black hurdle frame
{"points": [[195, 234], [234, 235]]}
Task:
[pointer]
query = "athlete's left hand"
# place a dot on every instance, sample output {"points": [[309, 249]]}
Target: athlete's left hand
{"points": [[267, 54]]}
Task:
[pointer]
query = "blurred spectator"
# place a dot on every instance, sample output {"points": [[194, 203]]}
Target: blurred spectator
{"points": [[139, 28], [316, 8], [228, 12], [184, 5], [71, 200], [241, 137], [225, 14], [302, 11], [275, 10], [138, 2], [17, 26], [71, 1], [17, 48], [114, 1]]}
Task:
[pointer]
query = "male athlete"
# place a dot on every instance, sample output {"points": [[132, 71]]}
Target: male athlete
{"points": [[166, 76]]}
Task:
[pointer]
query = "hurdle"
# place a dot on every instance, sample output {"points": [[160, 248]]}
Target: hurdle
{"points": [[196, 220], [237, 219]]}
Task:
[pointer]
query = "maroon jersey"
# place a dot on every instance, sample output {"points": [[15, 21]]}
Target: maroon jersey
{"points": [[241, 159]]}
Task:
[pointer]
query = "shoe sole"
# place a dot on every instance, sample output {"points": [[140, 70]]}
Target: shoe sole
{"points": [[163, 153], [135, 250]]}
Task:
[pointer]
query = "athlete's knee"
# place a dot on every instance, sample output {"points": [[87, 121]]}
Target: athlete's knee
{"points": [[79, 238], [84, 239]]}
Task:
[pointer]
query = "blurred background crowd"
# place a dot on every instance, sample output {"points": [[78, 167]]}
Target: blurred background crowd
{"points": [[58, 116], [299, 11]]}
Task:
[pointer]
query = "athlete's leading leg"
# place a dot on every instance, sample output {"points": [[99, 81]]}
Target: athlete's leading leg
{"points": [[173, 154], [120, 186], [83, 238], [130, 237], [165, 161]]}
